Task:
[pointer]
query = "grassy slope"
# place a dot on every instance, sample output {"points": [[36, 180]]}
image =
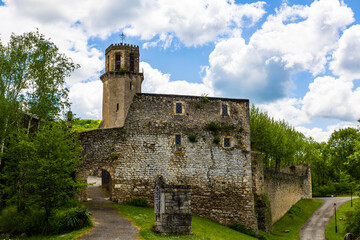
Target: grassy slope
{"points": [[66, 236], [85, 124], [203, 229], [293, 220], [330, 230]]}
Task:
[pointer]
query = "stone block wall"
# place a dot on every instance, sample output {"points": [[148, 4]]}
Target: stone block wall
{"points": [[172, 206], [284, 188], [145, 147]]}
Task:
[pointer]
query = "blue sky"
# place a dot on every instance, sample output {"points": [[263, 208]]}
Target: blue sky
{"points": [[296, 59]]}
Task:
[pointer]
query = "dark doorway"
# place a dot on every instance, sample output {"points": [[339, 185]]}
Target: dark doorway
{"points": [[105, 179]]}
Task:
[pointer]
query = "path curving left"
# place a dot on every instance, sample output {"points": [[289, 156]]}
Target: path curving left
{"points": [[314, 228], [108, 224]]}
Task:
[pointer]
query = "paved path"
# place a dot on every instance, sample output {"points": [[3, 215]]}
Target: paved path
{"points": [[109, 225], [314, 228]]}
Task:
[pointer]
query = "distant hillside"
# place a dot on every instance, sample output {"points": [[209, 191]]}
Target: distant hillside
{"points": [[85, 124]]}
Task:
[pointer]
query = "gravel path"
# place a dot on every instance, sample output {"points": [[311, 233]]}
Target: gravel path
{"points": [[314, 228], [109, 225]]}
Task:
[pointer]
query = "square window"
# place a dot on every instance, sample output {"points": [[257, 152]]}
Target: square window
{"points": [[178, 139], [227, 142], [179, 108], [224, 110]]}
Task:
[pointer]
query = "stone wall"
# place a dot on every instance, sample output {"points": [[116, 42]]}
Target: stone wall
{"points": [[172, 207], [145, 147], [284, 188]]}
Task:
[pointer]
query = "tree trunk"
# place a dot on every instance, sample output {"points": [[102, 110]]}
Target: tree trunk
{"points": [[29, 125], [266, 161], [277, 165], [2, 143]]}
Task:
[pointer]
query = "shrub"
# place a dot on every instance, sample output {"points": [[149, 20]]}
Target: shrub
{"points": [[198, 105], [204, 98], [352, 224], [123, 71], [33, 221], [213, 127], [67, 220], [192, 138], [216, 140], [11, 221], [138, 202]]}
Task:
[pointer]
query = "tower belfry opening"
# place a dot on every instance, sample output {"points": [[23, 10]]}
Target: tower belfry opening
{"points": [[122, 71]]}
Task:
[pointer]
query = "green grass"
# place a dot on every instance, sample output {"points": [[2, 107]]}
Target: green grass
{"points": [[340, 213], [293, 220], [85, 124], [203, 229], [66, 236]]}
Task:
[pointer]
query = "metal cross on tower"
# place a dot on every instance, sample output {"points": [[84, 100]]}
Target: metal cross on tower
{"points": [[122, 35]]}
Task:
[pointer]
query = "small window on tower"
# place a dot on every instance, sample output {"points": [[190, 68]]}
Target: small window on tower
{"points": [[117, 61], [132, 63], [117, 107], [227, 142], [131, 85], [224, 110], [178, 139], [107, 64]]}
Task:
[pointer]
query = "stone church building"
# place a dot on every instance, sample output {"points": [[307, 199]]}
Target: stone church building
{"points": [[199, 141]]}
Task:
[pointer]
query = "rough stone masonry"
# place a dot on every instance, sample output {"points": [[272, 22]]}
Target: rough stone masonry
{"points": [[198, 141], [156, 141]]}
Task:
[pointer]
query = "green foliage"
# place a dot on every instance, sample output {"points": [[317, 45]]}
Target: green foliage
{"points": [[345, 225], [40, 170], [138, 202], [204, 98], [198, 105], [35, 221], [294, 211], [70, 219], [352, 224], [123, 71], [343, 145], [32, 77], [280, 143], [213, 127], [216, 140], [241, 228], [202, 228], [192, 138], [85, 124], [114, 155], [33, 72]]}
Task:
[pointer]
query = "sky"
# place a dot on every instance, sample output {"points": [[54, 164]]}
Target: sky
{"points": [[298, 60]]}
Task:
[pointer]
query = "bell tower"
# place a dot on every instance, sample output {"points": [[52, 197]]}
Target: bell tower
{"points": [[121, 81]]}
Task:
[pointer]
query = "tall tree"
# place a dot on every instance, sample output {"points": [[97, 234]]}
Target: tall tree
{"points": [[40, 170], [32, 77], [342, 144], [279, 142]]}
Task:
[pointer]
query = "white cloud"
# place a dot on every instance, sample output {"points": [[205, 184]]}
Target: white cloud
{"points": [[157, 82], [192, 22], [296, 38], [302, 36], [288, 109], [86, 99], [332, 98], [240, 70], [347, 58], [316, 133], [321, 135]]}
